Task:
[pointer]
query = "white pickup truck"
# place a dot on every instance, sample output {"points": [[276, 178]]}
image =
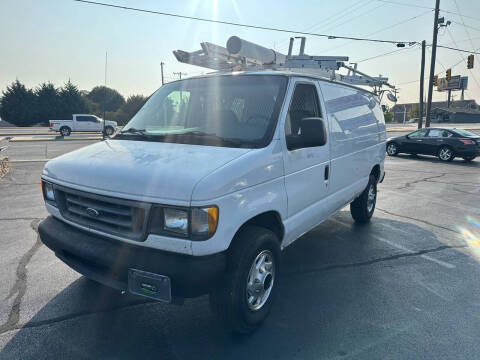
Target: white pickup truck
{"points": [[83, 122]]}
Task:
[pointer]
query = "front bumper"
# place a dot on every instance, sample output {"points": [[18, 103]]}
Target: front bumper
{"points": [[107, 261]]}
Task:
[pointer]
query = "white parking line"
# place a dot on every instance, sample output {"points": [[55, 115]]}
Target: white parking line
{"points": [[426, 257], [395, 245]]}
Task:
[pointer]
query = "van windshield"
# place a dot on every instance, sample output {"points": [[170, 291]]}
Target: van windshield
{"points": [[231, 111]]}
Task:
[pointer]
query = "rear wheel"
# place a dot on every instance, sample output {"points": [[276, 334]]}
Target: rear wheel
{"points": [[109, 131], [392, 149], [362, 208], [469, 158], [245, 298], [445, 153], [65, 131]]}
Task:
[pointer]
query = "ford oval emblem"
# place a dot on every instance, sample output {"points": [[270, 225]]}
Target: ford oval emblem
{"points": [[92, 212]]}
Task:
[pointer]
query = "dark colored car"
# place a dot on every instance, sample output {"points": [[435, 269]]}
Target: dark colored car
{"points": [[442, 142]]}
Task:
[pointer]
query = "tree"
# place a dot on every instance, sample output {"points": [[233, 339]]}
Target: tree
{"points": [[72, 101], [17, 105], [387, 113], [47, 104], [130, 108], [107, 99]]}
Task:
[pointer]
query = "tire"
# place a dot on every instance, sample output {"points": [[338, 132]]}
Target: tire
{"points": [[362, 208], [469, 158], [445, 153], [392, 149], [231, 300], [109, 130], [65, 131]]}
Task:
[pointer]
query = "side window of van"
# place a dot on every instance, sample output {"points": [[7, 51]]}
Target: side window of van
{"points": [[304, 104]]}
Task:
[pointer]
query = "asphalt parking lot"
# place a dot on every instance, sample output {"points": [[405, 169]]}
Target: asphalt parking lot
{"points": [[405, 286]]}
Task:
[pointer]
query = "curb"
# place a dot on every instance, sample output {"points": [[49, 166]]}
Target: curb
{"points": [[56, 138], [29, 160]]}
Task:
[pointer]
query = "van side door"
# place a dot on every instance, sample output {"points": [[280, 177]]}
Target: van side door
{"points": [[307, 168]]}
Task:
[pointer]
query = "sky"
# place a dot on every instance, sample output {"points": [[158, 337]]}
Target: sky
{"points": [[58, 40]]}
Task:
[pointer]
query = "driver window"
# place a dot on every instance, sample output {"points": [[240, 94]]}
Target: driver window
{"points": [[304, 104]]}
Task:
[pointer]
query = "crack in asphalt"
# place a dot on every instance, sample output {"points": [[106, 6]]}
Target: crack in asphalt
{"points": [[79, 314], [373, 261], [20, 286], [415, 219], [13, 325], [428, 178]]}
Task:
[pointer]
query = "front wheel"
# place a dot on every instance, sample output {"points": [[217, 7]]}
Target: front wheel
{"points": [[245, 298], [469, 158], [445, 153], [392, 149], [362, 208]]}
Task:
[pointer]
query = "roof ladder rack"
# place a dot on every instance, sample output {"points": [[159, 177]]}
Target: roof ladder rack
{"points": [[242, 55]]}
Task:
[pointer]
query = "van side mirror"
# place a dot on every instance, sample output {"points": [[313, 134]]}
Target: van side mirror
{"points": [[313, 132]]}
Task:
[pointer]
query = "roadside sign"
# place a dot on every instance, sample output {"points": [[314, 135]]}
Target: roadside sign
{"points": [[454, 84]]}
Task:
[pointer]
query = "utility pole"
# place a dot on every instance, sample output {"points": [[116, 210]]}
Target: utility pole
{"points": [[422, 75], [432, 63], [448, 100], [161, 66]]}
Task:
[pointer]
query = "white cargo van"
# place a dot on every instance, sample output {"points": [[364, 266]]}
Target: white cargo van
{"points": [[209, 181]]}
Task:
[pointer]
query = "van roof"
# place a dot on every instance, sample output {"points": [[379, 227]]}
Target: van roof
{"points": [[277, 73]]}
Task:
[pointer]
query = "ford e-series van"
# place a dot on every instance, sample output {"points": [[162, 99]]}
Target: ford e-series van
{"points": [[209, 181]]}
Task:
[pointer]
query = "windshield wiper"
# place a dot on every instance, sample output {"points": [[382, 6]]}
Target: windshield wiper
{"points": [[213, 136], [134, 131]]}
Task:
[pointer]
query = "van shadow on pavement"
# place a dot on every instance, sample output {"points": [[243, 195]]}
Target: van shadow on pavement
{"points": [[343, 291]]}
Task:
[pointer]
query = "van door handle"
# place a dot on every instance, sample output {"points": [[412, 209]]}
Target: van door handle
{"points": [[327, 168]]}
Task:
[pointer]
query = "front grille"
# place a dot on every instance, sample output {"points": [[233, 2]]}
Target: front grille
{"points": [[110, 215]]}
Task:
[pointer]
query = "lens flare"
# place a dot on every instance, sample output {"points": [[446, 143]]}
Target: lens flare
{"points": [[471, 235]]}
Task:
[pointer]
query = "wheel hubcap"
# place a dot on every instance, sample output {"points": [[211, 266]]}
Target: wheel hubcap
{"points": [[260, 280], [372, 194], [391, 149], [445, 154]]}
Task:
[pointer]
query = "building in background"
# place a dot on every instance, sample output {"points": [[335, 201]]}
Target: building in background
{"points": [[462, 111]]}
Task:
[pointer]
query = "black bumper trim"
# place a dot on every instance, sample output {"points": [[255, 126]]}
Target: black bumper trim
{"points": [[107, 261]]}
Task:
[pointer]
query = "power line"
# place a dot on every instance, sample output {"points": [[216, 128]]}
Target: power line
{"points": [[463, 22], [451, 67], [386, 54], [405, 4], [461, 50], [334, 17], [386, 28], [473, 75], [466, 26], [427, 7], [380, 55], [329, 36]]}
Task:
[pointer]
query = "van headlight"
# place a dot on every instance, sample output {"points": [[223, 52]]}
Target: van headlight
{"points": [[175, 220], [48, 192], [192, 223]]}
